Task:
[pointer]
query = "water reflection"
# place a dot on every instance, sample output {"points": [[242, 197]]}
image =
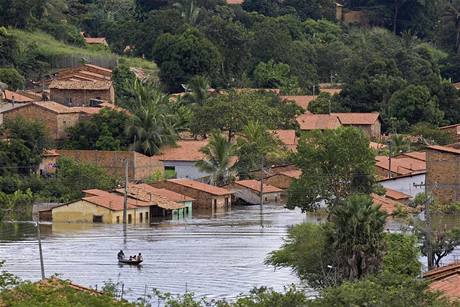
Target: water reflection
{"points": [[217, 254]]}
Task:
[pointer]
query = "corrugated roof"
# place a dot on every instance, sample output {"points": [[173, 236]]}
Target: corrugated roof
{"points": [[301, 101], [309, 121], [357, 118], [210, 189], [80, 85], [255, 186]]}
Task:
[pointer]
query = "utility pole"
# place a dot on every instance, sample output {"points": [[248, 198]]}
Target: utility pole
{"points": [[125, 200], [389, 159], [42, 266], [262, 182], [429, 246]]}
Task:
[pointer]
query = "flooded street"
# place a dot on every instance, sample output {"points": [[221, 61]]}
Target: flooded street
{"points": [[217, 256]]}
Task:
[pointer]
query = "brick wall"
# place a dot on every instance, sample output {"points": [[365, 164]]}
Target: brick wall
{"points": [[79, 98], [280, 181], [139, 166], [443, 177], [32, 112]]}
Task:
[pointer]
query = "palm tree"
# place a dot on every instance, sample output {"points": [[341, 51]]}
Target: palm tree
{"points": [[188, 10], [218, 154], [452, 15], [399, 144], [197, 91], [358, 236]]}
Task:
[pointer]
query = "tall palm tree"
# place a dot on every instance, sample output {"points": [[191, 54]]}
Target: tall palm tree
{"points": [[218, 154], [197, 91], [188, 10]]}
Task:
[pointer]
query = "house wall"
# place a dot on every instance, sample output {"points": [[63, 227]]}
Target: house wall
{"points": [[185, 169], [253, 197], [280, 181], [373, 131], [202, 200], [65, 121], [139, 166], [454, 131], [80, 212], [406, 184], [80, 98], [443, 175], [32, 112]]}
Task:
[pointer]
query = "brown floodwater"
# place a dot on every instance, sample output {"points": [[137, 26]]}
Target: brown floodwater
{"points": [[218, 256]]}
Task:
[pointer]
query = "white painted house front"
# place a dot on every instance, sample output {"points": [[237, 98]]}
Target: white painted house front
{"points": [[411, 184]]}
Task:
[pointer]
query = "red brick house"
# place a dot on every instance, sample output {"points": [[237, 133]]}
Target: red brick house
{"points": [[370, 123], [78, 93]]}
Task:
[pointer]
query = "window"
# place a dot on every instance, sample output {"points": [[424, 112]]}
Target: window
{"points": [[140, 217], [118, 219], [97, 218], [215, 202], [130, 218], [146, 217], [226, 201]]}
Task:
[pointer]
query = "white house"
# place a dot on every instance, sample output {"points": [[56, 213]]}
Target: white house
{"points": [[411, 184]]}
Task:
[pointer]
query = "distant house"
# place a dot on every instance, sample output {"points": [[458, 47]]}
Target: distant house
{"points": [[370, 123], [139, 166], [283, 180], [181, 158], [77, 93], [48, 164], [94, 40], [206, 196], [446, 280], [287, 137], [410, 184], [443, 173], [56, 117], [453, 130], [301, 101], [248, 191], [12, 97], [148, 192], [104, 207], [85, 72], [404, 164], [309, 122]]}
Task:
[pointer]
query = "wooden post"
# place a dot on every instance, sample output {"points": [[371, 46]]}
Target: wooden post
{"points": [[125, 200]]}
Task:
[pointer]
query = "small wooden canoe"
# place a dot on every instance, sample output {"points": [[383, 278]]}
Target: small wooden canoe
{"points": [[131, 262]]}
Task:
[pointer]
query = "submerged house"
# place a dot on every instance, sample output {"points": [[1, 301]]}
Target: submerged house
{"points": [[248, 191]]}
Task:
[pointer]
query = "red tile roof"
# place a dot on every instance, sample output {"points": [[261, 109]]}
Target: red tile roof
{"points": [[80, 85], [396, 195], [184, 150], [234, 2], [293, 173], [419, 155], [445, 149], [301, 101], [171, 195], [386, 205], [196, 185], [309, 121], [445, 279], [114, 202], [287, 137], [10, 96], [357, 118], [50, 153], [145, 198], [96, 40], [255, 186]]}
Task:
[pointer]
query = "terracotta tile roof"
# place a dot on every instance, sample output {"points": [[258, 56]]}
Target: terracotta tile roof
{"points": [[80, 85], [419, 155], [234, 2], [50, 153], [301, 101], [445, 279], [10, 96], [309, 121], [96, 40], [49, 105], [100, 68], [171, 195], [287, 137], [357, 118], [293, 173], [114, 202], [185, 150], [386, 205], [396, 195], [95, 192], [201, 186], [401, 165], [445, 149], [255, 186], [246, 90], [145, 198]]}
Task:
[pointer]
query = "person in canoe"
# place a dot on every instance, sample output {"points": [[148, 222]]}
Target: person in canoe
{"points": [[121, 255]]}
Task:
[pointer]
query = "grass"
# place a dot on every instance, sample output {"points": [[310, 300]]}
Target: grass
{"points": [[49, 47]]}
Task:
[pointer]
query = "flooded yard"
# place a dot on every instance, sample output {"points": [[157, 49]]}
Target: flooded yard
{"points": [[218, 255]]}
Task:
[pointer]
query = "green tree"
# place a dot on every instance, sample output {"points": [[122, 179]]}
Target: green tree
{"points": [[272, 75], [197, 91], [16, 206], [218, 159], [122, 77], [188, 10], [12, 78], [412, 105], [431, 135], [256, 145], [334, 164], [182, 56], [401, 255], [325, 104]]}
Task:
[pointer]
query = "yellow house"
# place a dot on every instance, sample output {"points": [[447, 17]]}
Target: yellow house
{"points": [[104, 208]]}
